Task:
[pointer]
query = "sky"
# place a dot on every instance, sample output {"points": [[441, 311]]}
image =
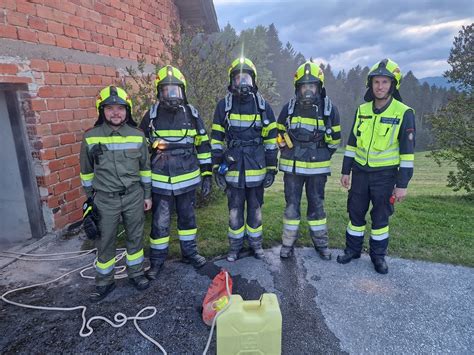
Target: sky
{"points": [[418, 35]]}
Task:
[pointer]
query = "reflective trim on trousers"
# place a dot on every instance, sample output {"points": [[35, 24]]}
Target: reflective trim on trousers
{"points": [[159, 243], [236, 234], [105, 268], [254, 232], [136, 258], [311, 171], [357, 231]]}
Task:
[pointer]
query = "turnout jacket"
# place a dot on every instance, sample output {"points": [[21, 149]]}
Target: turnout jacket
{"points": [[315, 133], [113, 161], [382, 139], [180, 149], [244, 137]]}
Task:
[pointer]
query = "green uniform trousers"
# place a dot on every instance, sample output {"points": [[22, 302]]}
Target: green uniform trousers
{"points": [[127, 204]]}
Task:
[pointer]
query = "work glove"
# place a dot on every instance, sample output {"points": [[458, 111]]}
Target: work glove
{"points": [[220, 179], [206, 186], [90, 219], [269, 178]]}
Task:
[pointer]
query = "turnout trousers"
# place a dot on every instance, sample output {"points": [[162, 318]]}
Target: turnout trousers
{"points": [[239, 200], [366, 187], [160, 229], [112, 206], [316, 216]]}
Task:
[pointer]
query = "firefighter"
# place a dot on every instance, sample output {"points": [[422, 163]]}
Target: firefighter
{"points": [[244, 155], [180, 163], [115, 174], [309, 133], [380, 155]]}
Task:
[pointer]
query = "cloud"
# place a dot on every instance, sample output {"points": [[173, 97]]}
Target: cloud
{"points": [[416, 34]]}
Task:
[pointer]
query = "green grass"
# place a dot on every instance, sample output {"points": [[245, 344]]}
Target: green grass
{"points": [[434, 223]]}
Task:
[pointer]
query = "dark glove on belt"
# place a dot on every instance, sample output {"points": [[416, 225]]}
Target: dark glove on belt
{"points": [[90, 219], [206, 186], [219, 179], [269, 179]]}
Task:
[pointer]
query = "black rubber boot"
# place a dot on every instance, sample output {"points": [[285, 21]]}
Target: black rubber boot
{"points": [[235, 244], [256, 245], [153, 271], [323, 252], [190, 254], [140, 282], [347, 256], [101, 292], [286, 252], [380, 265]]}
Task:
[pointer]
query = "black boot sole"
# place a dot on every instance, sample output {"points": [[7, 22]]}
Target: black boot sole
{"points": [[99, 296], [342, 259], [139, 287]]}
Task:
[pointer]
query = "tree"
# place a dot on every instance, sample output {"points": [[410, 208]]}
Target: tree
{"points": [[453, 125]]}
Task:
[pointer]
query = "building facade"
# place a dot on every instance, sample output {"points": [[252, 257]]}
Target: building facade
{"points": [[55, 56]]}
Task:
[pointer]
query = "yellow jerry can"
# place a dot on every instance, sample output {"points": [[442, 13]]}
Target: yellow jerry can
{"points": [[250, 327]]}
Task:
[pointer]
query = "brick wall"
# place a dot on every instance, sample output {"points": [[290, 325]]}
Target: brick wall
{"points": [[64, 52]]}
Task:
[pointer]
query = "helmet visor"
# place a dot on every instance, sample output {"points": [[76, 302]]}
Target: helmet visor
{"points": [[242, 79], [171, 91]]}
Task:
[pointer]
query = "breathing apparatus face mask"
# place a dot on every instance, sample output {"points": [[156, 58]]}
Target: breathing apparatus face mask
{"points": [[308, 94], [171, 96], [242, 84]]}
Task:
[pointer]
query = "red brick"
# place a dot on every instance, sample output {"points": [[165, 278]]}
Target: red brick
{"points": [[70, 31], [66, 173], [55, 104], [65, 115], [28, 35], [84, 35], [47, 154], [87, 69], [61, 187], [26, 7], [63, 151], [56, 28], [60, 221], [37, 23], [8, 69], [15, 79], [86, 103], [80, 114], [8, 31], [50, 141], [78, 44], [48, 117], [45, 12], [74, 126], [56, 67], [97, 38], [92, 47], [17, 19], [76, 92], [83, 80], [55, 165], [73, 68], [67, 138], [76, 182], [108, 41], [46, 38], [52, 79], [76, 21], [95, 80], [53, 201], [57, 128], [102, 29], [43, 130], [71, 103], [63, 41], [109, 71], [73, 194], [38, 105], [68, 79], [74, 216], [72, 160]]}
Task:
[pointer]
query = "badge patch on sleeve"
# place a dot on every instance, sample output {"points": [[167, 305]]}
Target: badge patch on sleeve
{"points": [[410, 136]]}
